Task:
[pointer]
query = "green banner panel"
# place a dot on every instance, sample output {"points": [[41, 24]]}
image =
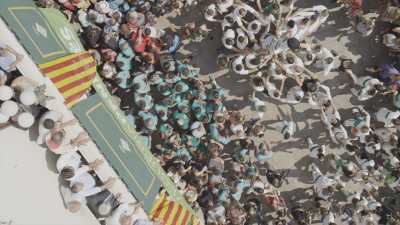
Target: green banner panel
{"points": [[63, 30], [32, 29], [119, 148]]}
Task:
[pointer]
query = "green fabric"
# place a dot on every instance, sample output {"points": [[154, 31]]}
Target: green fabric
{"points": [[120, 148], [63, 30], [32, 29]]}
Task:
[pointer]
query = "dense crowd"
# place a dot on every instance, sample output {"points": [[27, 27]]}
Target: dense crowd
{"points": [[220, 158]]}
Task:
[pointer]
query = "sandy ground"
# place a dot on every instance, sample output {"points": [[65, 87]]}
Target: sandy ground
{"points": [[29, 193]]}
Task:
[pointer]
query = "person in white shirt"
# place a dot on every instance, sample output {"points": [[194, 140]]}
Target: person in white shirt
{"points": [[239, 68], [361, 124], [271, 90], [211, 13], [324, 59], [71, 160], [9, 59], [368, 86], [286, 127], [294, 95], [224, 5], [389, 118], [242, 40], [126, 214], [316, 151], [51, 120], [75, 201]]}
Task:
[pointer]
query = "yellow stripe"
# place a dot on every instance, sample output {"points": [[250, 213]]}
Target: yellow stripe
{"points": [[60, 60], [76, 77], [70, 67], [164, 210], [77, 89], [69, 105], [156, 205], [173, 213], [182, 216]]}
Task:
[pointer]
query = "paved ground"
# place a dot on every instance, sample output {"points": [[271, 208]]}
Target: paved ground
{"points": [[334, 35]]}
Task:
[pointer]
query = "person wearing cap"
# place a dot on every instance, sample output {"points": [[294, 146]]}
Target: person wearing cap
{"points": [[51, 121], [9, 60], [316, 151], [360, 124], [75, 201], [368, 86], [62, 141], [388, 117], [149, 119]]}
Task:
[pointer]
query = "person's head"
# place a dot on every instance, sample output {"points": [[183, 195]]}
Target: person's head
{"points": [[229, 19], [229, 41], [67, 172], [58, 137], [309, 56], [396, 121], [293, 43], [305, 20], [291, 23], [210, 12], [74, 206], [276, 94], [125, 219], [255, 61], [147, 31], [242, 12], [238, 67], [77, 187], [241, 39], [286, 135], [49, 124], [290, 59], [372, 91], [329, 60]]}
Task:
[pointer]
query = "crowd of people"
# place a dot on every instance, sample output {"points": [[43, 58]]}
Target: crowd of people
{"points": [[220, 158]]}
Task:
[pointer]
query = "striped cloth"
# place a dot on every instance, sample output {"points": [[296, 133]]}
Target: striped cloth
{"points": [[172, 213], [72, 75]]}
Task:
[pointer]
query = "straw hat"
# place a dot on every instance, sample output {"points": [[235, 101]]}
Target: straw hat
{"points": [[28, 98]]}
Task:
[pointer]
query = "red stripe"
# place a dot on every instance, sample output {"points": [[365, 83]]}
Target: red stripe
{"points": [[66, 63], [178, 213], [160, 207], [76, 83], [169, 211], [75, 96], [184, 221], [71, 73]]}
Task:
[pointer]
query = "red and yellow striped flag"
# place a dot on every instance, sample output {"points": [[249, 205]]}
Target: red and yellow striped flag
{"points": [[172, 213], [72, 75]]}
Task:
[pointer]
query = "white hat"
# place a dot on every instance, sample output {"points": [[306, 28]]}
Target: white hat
{"points": [[25, 120], [394, 161], [28, 98], [102, 7], [197, 129], [4, 118], [9, 108], [6, 93]]}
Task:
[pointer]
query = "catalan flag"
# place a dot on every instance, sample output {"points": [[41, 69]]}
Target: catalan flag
{"points": [[172, 213], [72, 75]]}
